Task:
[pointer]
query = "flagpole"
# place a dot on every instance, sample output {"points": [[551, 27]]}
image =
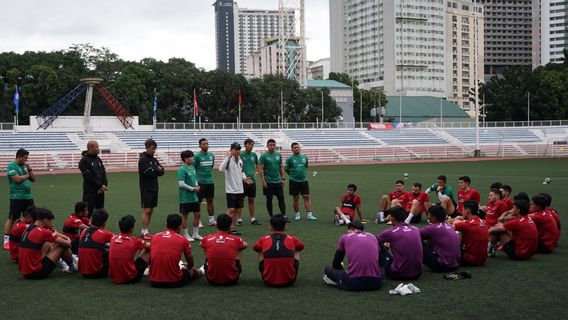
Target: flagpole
{"points": [[155, 107], [239, 122]]}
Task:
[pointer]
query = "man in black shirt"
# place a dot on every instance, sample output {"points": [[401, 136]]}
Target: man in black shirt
{"points": [[95, 182], [149, 169]]}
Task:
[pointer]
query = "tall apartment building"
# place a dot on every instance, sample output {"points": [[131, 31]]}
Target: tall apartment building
{"points": [[550, 31], [394, 45], [253, 28], [268, 59], [508, 34], [240, 32], [225, 34], [464, 59]]}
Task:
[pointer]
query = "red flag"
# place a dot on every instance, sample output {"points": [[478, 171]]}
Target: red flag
{"points": [[240, 98], [195, 106]]}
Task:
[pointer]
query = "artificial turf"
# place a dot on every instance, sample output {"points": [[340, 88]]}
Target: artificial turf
{"points": [[502, 289]]}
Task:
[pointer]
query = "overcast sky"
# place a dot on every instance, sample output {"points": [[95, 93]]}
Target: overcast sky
{"points": [[135, 29]]}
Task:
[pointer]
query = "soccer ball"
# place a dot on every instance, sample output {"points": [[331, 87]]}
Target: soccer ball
{"points": [[315, 173], [406, 175], [546, 181]]}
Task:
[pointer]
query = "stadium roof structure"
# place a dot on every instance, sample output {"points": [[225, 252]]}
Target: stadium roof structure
{"points": [[327, 84], [423, 108]]}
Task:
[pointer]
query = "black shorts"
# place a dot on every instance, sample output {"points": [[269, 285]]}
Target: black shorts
{"points": [[297, 188], [206, 191], [250, 190], [180, 283], [185, 208], [18, 206], [273, 189], [75, 246], [141, 266], [359, 284], [235, 200], [47, 267], [510, 248], [542, 248], [149, 199]]}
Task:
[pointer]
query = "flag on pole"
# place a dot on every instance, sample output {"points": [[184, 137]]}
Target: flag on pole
{"points": [[195, 106], [240, 98], [155, 104], [16, 100]]}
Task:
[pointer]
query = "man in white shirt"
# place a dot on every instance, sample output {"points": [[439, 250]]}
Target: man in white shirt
{"points": [[232, 166]]}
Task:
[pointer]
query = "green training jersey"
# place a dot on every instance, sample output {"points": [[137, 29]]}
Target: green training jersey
{"points": [[203, 164], [447, 191], [272, 163], [250, 160], [188, 176], [21, 190], [296, 167]]}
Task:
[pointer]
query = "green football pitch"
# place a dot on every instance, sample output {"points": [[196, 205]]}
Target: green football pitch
{"points": [[535, 289]]}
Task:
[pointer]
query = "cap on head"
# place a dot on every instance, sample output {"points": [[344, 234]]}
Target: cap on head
{"points": [[235, 146]]}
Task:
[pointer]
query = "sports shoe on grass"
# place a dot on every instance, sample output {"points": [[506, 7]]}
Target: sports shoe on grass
{"points": [[200, 224], [327, 280], [255, 222], [457, 275], [240, 222], [234, 232], [197, 237], [297, 216], [311, 217], [188, 237]]}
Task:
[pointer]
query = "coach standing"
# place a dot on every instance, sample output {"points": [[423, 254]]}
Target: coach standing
{"points": [[95, 182], [149, 169], [20, 178]]}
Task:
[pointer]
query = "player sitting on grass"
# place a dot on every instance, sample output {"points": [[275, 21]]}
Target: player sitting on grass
{"points": [[18, 230], [41, 247], [494, 208], [552, 211], [417, 202], [401, 248], [473, 235], [278, 254], [505, 193], [76, 223], [123, 268], [518, 234], [223, 253], [445, 194], [466, 193], [93, 247], [548, 234], [350, 203], [386, 201], [441, 245], [165, 253], [362, 250]]}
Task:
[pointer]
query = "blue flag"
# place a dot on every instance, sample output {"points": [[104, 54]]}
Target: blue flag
{"points": [[16, 100], [155, 105]]}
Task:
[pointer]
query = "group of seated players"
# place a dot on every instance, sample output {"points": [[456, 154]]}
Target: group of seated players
{"points": [[460, 232], [85, 246]]}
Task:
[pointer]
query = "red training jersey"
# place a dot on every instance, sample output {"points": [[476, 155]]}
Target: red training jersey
{"points": [[421, 197], [123, 249], [221, 251], [92, 247], [525, 235], [349, 203], [475, 237], [556, 217], [548, 233], [71, 227], [279, 265], [469, 195], [494, 211], [508, 203], [402, 197], [15, 237], [29, 256], [166, 251]]}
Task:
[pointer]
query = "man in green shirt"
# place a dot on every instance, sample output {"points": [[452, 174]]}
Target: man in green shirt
{"points": [[188, 200], [271, 173], [20, 178], [203, 164], [296, 167], [446, 195], [250, 166]]}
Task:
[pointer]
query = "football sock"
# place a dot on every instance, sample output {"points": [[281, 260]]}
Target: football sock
{"points": [[410, 216], [252, 219], [195, 230], [144, 231], [309, 213], [381, 216], [184, 232], [6, 238]]}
